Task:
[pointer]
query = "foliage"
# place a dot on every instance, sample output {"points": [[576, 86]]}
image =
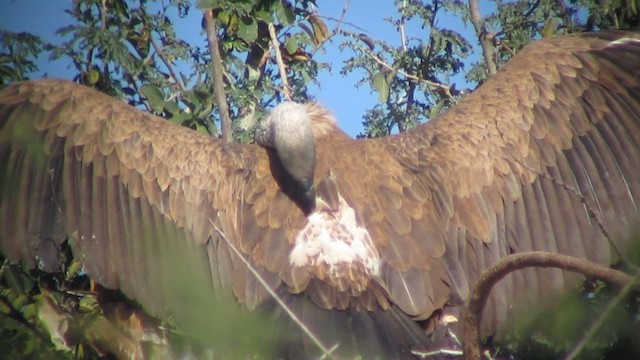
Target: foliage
{"points": [[23, 334], [514, 24], [411, 79], [551, 332], [130, 49], [65, 315], [414, 79], [17, 56]]}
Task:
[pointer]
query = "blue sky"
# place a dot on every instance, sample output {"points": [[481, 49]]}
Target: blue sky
{"points": [[337, 92]]}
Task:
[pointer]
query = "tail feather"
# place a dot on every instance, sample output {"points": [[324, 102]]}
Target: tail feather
{"points": [[349, 334]]}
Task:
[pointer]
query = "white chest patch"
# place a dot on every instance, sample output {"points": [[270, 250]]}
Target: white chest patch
{"points": [[333, 239]]}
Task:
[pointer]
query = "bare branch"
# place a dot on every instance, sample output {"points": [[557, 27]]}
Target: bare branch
{"points": [[103, 15], [167, 63], [403, 20], [286, 89], [485, 40], [342, 14], [489, 277], [218, 83], [445, 88]]}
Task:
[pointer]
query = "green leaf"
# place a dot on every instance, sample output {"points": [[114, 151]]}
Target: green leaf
{"points": [[172, 107], [12, 277], [29, 311], [4, 309], [180, 117], [154, 95], [192, 101], [205, 4], [248, 30], [201, 129], [93, 76], [380, 84], [88, 303], [320, 30], [73, 269], [291, 45], [436, 109], [284, 13]]}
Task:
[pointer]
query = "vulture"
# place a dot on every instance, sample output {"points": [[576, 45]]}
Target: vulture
{"points": [[372, 244]]}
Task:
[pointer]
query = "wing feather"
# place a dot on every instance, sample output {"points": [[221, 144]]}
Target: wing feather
{"points": [[136, 196], [529, 158], [536, 159]]}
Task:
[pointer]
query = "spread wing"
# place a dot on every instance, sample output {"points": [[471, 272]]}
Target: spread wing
{"points": [[156, 210], [543, 156], [139, 197]]}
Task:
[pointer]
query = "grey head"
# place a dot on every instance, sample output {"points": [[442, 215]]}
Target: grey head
{"points": [[287, 132]]}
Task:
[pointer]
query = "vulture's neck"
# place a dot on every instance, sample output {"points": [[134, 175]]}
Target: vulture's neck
{"points": [[292, 132]]}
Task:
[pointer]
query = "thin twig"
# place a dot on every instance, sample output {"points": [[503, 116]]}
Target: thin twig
{"points": [[403, 20], [326, 352], [167, 63], [283, 72], [218, 83], [489, 277], [446, 88], [342, 14], [508, 48], [103, 15], [436, 353]]}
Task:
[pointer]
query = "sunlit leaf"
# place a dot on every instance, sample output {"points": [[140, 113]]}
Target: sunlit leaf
{"points": [[380, 84], [73, 269], [291, 44], [29, 311], [284, 13], [93, 76], [248, 30], [320, 30], [437, 109], [88, 303], [205, 4], [154, 95]]}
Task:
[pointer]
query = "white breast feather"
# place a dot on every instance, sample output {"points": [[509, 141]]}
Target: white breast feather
{"points": [[336, 239]]}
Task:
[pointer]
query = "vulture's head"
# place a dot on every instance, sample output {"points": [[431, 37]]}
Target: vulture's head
{"points": [[289, 133]]}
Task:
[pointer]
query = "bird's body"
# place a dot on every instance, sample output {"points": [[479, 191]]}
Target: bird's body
{"points": [[544, 156]]}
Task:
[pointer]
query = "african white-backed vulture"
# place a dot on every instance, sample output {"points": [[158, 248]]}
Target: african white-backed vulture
{"points": [[374, 235]]}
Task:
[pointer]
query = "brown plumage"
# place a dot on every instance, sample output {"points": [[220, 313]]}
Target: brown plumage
{"points": [[518, 165]]}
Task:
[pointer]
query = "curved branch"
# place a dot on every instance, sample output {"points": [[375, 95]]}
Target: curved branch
{"points": [[511, 263]]}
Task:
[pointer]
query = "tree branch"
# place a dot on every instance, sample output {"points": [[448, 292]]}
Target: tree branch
{"points": [[286, 89], [218, 83], [103, 14], [485, 41], [403, 21], [167, 63], [414, 78], [511, 263]]}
